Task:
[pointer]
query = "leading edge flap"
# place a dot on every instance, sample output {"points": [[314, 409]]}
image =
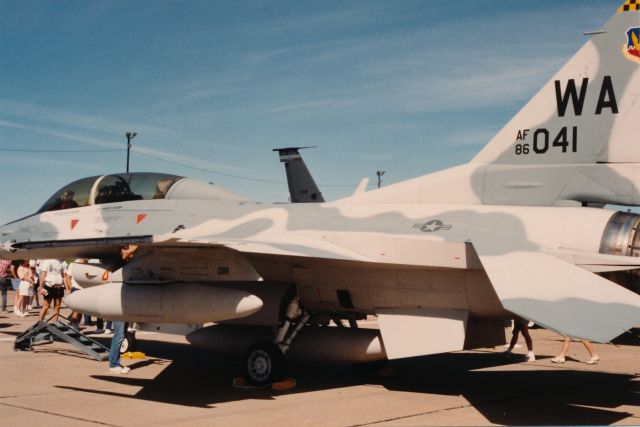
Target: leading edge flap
{"points": [[561, 296]]}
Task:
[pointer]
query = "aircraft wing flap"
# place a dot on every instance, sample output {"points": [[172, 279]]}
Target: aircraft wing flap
{"points": [[421, 331], [560, 296]]}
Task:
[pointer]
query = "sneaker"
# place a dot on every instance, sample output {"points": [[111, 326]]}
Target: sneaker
{"points": [[108, 332], [508, 351], [558, 359], [4, 310], [531, 357], [37, 306], [29, 307], [120, 370], [594, 359]]}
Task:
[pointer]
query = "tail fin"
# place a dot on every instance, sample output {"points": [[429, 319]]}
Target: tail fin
{"points": [[576, 141], [302, 187], [589, 112]]}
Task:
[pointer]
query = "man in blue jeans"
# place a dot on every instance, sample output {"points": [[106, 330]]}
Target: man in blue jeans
{"points": [[126, 252], [114, 352]]}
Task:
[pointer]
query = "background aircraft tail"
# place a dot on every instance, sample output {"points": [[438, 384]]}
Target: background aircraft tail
{"points": [[574, 142], [302, 187]]}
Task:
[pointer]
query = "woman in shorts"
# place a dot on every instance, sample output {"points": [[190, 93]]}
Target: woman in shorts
{"points": [[26, 284]]}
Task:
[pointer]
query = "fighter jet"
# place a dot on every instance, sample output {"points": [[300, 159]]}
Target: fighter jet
{"points": [[441, 259]]}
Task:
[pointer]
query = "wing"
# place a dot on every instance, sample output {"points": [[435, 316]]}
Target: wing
{"points": [[557, 290]]}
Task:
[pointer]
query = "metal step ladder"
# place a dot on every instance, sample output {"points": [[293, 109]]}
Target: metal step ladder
{"points": [[64, 331]]}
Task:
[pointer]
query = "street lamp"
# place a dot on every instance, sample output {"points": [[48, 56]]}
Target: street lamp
{"points": [[130, 136], [379, 173]]}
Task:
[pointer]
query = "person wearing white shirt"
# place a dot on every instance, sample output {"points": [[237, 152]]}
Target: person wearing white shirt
{"points": [[52, 280], [73, 286]]}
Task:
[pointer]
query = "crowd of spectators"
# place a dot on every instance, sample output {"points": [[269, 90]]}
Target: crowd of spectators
{"points": [[33, 281]]}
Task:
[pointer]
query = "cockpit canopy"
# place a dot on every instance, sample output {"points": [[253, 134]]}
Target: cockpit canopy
{"points": [[122, 187]]}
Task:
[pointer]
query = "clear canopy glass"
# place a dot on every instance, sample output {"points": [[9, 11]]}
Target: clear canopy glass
{"points": [[122, 187]]}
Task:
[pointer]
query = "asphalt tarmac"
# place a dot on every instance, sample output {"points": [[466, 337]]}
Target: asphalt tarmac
{"points": [[176, 384]]}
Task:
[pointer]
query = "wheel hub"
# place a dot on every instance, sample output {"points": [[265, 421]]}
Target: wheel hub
{"points": [[259, 365]]}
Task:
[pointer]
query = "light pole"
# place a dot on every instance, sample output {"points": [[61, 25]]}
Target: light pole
{"points": [[130, 136], [379, 173]]}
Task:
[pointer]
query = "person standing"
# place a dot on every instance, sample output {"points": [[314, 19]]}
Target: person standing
{"points": [[73, 286], [7, 272], [52, 280], [114, 351], [34, 294], [126, 252], [26, 284]]}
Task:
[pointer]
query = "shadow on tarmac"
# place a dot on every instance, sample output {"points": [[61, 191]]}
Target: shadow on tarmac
{"points": [[631, 337], [517, 397], [8, 325]]}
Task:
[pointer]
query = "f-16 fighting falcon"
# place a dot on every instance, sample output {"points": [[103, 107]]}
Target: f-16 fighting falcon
{"points": [[441, 259]]}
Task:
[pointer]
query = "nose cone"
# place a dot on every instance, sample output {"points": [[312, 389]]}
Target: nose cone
{"points": [[248, 305]]}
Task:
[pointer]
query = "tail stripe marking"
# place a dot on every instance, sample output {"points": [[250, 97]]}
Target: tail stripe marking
{"points": [[630, 6]]}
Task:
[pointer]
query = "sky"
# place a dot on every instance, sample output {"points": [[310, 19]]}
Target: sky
{"points": [[211, 87]]}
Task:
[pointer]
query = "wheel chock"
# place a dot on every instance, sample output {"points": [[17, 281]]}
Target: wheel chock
{"points": [[134, 355], [242, 383], [283, 385]]}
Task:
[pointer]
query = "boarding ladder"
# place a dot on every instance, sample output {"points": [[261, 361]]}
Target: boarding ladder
{"points": [[63, 330]]}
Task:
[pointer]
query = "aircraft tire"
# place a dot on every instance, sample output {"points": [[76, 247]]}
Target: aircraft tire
{"points": [[263, 363], [129, 343]]}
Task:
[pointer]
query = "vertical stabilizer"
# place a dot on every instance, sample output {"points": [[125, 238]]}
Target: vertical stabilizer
{"points": [[589, 112], [575, 142], [302, 187]]}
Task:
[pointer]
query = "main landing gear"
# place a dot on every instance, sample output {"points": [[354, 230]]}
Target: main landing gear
{"points": [[264, 361]]}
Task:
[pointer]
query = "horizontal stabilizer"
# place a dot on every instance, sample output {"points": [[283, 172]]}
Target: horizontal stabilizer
{"points": [[421, 331], [560, 296]]}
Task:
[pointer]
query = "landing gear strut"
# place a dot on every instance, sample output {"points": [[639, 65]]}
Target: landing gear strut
{"points": [[264, 361]]}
